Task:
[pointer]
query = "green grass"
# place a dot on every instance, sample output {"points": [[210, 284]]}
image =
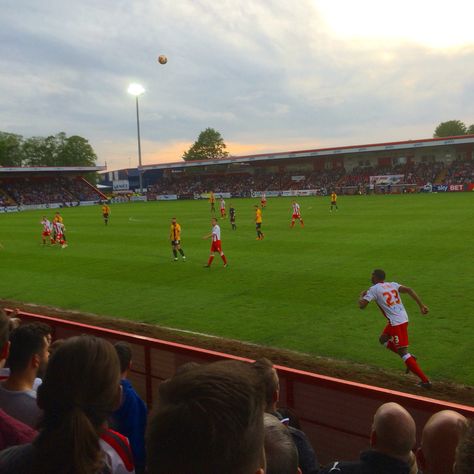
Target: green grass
{"points": [[297, 289]]}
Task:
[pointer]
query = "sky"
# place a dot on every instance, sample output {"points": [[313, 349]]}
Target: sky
{"points": [[269, 75]]}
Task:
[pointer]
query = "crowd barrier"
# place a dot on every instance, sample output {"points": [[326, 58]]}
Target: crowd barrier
{"points": [[336, 414]]}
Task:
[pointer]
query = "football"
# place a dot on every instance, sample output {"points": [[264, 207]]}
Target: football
{"points": [[162, 59]]}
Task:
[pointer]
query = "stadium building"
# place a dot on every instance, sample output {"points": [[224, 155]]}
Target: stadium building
{"points": [[435, 164]]}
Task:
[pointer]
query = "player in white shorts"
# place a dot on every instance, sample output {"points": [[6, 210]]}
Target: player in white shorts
{"points": [[47, 228], [222, 207], [395, 334]]}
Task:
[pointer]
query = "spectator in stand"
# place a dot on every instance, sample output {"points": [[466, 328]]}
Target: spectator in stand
{"points": [[392, 439], [80, 390], [209, 420], [280, 450], [27, 359], [271, 386], [12, 431], [130, 419], [439, 440], [465, 451]]}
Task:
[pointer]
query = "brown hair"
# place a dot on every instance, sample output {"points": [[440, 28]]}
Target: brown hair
{"points": [[280, 450], [268, 378], [4, 328], [209, 419], [78, 393], [124, 352]]}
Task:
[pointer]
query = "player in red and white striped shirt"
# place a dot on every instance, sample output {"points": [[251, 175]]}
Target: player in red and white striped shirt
{"points": [[216, 245], [395, 335], [296, 214], [47, 228], [222, 207]]}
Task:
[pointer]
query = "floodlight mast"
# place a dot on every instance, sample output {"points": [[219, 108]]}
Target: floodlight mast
{"points": [[137, 90]]}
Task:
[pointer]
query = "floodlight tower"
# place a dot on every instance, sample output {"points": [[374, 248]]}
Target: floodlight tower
{"points": [[137, 90]]}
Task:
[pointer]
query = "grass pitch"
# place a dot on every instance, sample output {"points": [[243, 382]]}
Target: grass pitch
{"points": [[297, 289]]}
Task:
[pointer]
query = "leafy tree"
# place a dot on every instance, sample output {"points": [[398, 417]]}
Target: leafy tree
{"points": [[470, 130], [209, 146], [76, 151], [11, 151], [451, 128], [58, 150]]}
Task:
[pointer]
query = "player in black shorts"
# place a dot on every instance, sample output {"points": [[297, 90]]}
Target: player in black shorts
{"points": [[232, 217], [175, 238]]}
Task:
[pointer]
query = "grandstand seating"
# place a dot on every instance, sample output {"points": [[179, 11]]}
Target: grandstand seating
{"points": [[45, 190], [414, 175]]}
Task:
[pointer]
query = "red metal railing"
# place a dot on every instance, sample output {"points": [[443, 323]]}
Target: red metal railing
{"points": [[335, 414]]}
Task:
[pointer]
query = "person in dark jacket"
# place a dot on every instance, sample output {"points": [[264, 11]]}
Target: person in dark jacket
{"points": [[392, 440]]}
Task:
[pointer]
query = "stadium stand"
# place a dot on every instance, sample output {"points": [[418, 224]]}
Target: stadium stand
{"points": [[394, 167], [45, 190], [322, 181]]}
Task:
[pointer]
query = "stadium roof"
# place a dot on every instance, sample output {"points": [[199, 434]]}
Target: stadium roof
{"points": [[343, 150], [51, 169]]}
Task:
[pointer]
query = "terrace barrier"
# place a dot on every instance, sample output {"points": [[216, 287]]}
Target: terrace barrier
{"points": [[335, 414]]}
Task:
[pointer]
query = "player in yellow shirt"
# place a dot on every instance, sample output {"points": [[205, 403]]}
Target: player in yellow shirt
{"points": [[175, 238], [258, 223], [333, 200], [58, 219], [212, 200], [105, 213]]}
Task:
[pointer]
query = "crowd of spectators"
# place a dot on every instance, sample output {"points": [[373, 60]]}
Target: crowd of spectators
{"points": [[460, 172], [243, 184], [322, 181], [45, 191], [67, 407]]}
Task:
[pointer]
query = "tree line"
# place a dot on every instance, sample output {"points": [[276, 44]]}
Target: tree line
{"points": [[453, 128], [55, 150]]}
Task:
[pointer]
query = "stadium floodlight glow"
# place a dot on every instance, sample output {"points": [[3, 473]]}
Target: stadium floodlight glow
{"points": [[137, 90]]}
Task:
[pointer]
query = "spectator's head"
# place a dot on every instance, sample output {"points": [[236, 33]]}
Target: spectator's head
{"points": [[268, 378], [378, 276], [55, 345], [186, 367], [440, 437], [209, 419], [80, 390], [465, 451], [29, 346], [280, 450], [393, 431], [124, 352]]}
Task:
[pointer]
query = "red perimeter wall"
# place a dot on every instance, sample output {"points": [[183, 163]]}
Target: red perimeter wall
{"points": [[335, 414]]}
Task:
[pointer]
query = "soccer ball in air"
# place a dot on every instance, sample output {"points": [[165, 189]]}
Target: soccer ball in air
{"points": [[162, 59]]}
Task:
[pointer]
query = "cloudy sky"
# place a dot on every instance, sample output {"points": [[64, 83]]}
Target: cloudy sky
{"points": [[270, 75]]}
